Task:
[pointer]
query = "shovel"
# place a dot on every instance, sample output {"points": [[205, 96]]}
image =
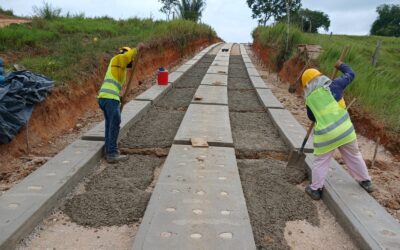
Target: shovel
{"points": [[296, 157]]}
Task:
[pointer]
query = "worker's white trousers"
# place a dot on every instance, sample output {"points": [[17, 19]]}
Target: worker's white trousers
{"points": [[352, 158]]}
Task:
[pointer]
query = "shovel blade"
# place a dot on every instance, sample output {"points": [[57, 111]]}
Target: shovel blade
{"points": [[296, 159]]}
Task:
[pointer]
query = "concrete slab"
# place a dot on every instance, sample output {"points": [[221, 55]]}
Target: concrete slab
{"points": [[215, 80], [249, 65], [268, 100], [364, 219], [222, 58], [30, 201], [259, 83], [198, 203], [247, 60], [185, 67], [174, 76], [218, 70], [154, 93], [243, 50], [217, 95], [253, 72], [132, 112], [220, 63], [206, 121], [192, 62], [290, 129]]}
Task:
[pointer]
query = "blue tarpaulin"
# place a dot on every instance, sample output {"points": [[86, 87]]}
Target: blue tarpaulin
{"points": [[18, 94]]}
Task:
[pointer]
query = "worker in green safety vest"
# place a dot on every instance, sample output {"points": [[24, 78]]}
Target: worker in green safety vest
{"points": [[333, 127], [109, 100]]}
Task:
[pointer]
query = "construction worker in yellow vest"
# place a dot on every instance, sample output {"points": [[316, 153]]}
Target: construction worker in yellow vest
{"points": [[109, 99], [333, 127]]}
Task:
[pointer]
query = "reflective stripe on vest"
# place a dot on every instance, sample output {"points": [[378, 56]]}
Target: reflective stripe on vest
{"points": [[109, 91], [115, 83], [111, 88], [333, 126]]}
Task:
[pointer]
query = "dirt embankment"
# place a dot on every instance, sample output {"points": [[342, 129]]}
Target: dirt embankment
{"points": [[65, 108], [365, 124]]}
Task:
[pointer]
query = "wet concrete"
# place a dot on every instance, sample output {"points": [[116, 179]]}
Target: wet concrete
{"points": [[254, 132], [156, 129], [115, 196], [244, 100], [272, 201]]}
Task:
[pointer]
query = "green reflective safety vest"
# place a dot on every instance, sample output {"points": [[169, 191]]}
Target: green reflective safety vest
{"points": [[111, 87], [333, 127]]}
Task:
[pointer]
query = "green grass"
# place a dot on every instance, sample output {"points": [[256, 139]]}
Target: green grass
{"points": [[376, 88], [64, 48]]}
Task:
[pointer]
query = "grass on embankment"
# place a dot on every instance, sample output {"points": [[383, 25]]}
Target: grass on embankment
{"points": [[67, 49], [377, 88]]}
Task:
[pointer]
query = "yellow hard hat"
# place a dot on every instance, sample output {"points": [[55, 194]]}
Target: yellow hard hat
{"points": [[122, 50], [309, 75]]}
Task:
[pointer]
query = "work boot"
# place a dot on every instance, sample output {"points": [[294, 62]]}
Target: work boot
{"points": [[367, 185], [116, 158], [314, 194]]}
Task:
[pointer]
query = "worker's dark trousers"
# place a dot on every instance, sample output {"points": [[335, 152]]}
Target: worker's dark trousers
{"points": [[112, 115]]}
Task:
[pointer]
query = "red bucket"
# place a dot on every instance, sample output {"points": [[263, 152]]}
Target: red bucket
{"points": [[162, 76]]}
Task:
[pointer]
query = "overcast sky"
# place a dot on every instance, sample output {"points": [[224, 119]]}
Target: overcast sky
{"points": [[230, 18]]}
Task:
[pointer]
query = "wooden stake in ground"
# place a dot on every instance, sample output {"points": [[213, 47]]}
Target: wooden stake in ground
{"points": [[28, 148], [376, 152]]}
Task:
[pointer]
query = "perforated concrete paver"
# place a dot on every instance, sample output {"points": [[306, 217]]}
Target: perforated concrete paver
{"points": [[268, 99], [218, 70], [215, 79], [210, 122], [259, 83], [154, 93], [131, 113], [364, 219], [207, 94], [198, 203], [29, 202], [290, 129]]}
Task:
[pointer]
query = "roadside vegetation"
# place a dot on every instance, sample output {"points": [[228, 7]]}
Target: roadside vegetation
{"points": [[67, 48], [376, 88], [6, 12]]}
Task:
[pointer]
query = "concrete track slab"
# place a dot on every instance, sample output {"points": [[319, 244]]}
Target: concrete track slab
{"points": [[364, 219], [210, 122], [243, 50], [222, 58], [259, 83], [290, 129], [253, 72], [220, 63], [215, 80], [217, 95], [184, 68], [249, 65], [132, 112], [154, 93], [198, 203], [30, 201], [268, 100], [192, 62], [174, 76], [218, 70], [247, 60]]}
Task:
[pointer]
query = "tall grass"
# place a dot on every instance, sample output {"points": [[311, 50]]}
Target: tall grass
{"points": [[68, 49], [376, 88]]}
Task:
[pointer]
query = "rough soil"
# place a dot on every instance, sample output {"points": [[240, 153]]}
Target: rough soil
{"points": [[7, 20], [177, 99], [239, 83], [156, 129], [386, 173], [272, 201], [244, 100], [117, 195], [254, 132], [71, 112]]}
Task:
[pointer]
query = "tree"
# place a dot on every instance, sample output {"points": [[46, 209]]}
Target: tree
{"points": [[191, 9], [168, 7], [388, 21], [309, 20], [263, 10], [47, 11]]}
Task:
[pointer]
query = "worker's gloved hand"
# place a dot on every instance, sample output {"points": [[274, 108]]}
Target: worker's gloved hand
{"points": [[338, 63], [140, 46]]}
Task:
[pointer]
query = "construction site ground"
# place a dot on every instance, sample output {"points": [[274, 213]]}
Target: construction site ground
{"points": [[281, 214]]}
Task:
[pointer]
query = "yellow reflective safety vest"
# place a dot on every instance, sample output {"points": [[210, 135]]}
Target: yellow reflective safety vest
{"points": [[333, 127], [116, 75]]}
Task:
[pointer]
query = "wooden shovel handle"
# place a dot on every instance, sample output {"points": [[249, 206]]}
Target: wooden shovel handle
{"points": [[129, 83], [345, 51]]}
